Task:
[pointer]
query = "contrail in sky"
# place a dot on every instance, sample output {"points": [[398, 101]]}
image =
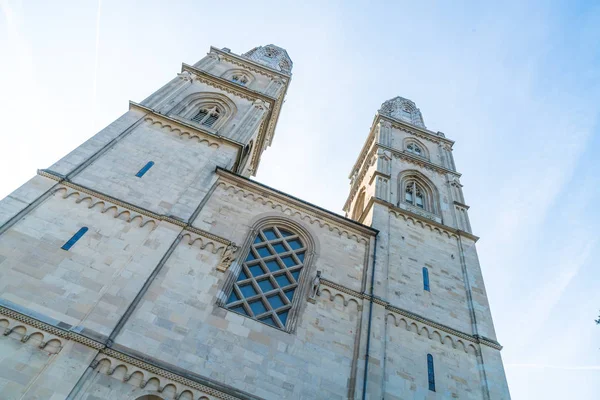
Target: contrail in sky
{"points": [[95, 83]]}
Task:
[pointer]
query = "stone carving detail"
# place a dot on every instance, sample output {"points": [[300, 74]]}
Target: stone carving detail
{"points": [[384, 133], [315, 288], [207, 62], [271, 56], [384, 164], [227, 259], [382, 192], [404, 110]]}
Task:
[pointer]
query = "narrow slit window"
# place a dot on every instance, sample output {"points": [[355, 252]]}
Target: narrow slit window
{"points": [[145, 169], [430, 373], [74, 238], [426, 279]]}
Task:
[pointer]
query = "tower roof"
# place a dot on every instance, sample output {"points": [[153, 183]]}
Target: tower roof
{"points": [[403, 109], [271, 56]]}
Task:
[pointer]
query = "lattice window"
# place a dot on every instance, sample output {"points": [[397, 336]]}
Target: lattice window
{"points": [[430, 373], [207, 117], [414, 194], [269, 277]]}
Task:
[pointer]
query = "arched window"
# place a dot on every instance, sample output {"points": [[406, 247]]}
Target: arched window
{"points": [[212, 110], [414, 147], [359, 206], [269, 277], [239, 76], [207, 116], [415, 190], [414, 194], [426, 279], [430, 373]]}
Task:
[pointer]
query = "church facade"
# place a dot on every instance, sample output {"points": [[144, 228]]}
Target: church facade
{"points": [[146, 265]]}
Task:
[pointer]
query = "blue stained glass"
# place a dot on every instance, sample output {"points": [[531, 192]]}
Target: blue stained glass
{"points": [[263, 252], [295, 244], [247, 290], [233, 297], [239, 310], [283, 316], [300, 257], [273, 266], [145, 169], [242, 276], [279, 248], [269, 320], [270, 234], [282, 280], [74, 238], [250, 256], [296, 274], [426, 279], [290, 294], [258, 240], [257, 307], [266, 285], [288, 261], [275, 301], [256, 270], [430, 373], [285, 233]]}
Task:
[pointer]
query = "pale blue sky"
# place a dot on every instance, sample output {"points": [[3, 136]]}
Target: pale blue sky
{"points": [[516, 85]]}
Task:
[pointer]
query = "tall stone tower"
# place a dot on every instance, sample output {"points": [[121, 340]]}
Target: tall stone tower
{"points": [[405, 184], [146, 265]]}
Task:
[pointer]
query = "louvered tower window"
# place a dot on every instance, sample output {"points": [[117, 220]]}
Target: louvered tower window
{"points": [[413, 148], [269, 277], [413, 194], [200, 116], [207, 117]]}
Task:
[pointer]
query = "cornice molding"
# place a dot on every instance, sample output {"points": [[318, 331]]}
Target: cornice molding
{"points": [[415, 317], [423, 221], [313, 213], [266, 131], [415, 131], [251, 65], [226, 85], [183, 127], [142, 211], [419, 161]]}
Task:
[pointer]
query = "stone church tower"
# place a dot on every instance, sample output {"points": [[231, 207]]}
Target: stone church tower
{"points": [[146, 265]]}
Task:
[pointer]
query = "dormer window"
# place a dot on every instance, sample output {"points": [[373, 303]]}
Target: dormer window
{"points": [[415, 149], [206, 116]]}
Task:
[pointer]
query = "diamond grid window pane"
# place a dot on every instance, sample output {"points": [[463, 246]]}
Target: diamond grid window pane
{"points": [[273, 265]]}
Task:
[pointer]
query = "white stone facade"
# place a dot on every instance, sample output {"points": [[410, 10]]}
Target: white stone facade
{"points": [[139, 306]]}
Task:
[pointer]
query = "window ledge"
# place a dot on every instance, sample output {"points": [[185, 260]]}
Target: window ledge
{"points": [[420, 211]]}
